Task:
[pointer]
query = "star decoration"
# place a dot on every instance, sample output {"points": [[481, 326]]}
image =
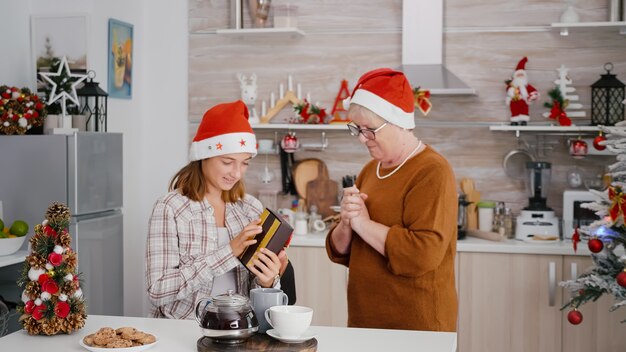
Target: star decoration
{"points": [[242, 142], [54, 95], [219, 146]]}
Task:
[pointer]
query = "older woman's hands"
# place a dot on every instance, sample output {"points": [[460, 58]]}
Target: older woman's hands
{"points": [[353, 209], [268, 266], [244, 239]]}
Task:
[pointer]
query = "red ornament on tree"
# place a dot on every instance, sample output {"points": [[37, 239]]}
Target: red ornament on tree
{"points": [[621, 279], [597, 140], [575, 317], [595, 245]]}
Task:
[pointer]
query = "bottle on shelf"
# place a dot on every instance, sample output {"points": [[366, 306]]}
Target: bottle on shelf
{"points": [[498, 219], [508, 223]]}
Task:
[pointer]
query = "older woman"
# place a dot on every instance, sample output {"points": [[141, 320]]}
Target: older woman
{"points": [[397, 232], [206, 221]]}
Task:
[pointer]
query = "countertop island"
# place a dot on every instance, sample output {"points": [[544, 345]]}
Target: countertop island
{"points": [[182, 335]]}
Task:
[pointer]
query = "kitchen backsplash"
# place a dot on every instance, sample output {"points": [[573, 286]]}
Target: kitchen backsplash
{"points": [[482, 45]]}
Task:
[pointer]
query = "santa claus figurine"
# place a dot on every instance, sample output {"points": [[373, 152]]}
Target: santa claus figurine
{"points": [[519, 94]]}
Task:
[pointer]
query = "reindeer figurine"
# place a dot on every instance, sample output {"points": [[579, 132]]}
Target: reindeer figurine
{"points": [[248, 95]]}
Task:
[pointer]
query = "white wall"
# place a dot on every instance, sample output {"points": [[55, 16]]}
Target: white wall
{"points": [[154, 121]]}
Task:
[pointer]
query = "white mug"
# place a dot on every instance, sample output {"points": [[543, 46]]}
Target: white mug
{"points": [[302, 227], [289, 321]]}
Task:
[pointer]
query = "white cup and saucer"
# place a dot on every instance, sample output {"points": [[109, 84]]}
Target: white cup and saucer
{"points": [[291, 324]]}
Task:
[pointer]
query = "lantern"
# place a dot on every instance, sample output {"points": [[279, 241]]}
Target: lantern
{"points": [[607, 95], [93, 101]]}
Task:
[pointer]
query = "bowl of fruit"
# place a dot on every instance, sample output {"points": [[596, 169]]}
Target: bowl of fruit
{"points": [[12, 238]]}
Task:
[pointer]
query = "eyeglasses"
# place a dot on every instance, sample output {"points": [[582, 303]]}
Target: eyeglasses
{"points": [[368, 133]]}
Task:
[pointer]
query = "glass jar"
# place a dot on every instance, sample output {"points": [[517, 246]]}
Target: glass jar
{"points": [[508, 223]]}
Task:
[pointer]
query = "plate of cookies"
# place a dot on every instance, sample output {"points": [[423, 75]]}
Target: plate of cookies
{"points": [[124, 339]]}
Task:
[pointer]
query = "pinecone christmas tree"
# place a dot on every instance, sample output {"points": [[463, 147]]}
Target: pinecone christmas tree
{"points": [[52, 301], [608, 275]]}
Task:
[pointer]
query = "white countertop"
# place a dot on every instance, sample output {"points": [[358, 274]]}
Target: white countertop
{"points": [[182, 335], [473, 244]]}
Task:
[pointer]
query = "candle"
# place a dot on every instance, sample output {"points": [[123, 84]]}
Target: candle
{"points": [[290, 83], [281, 91], [299, 94], [263, 108], [272, 100], [308, 96]]}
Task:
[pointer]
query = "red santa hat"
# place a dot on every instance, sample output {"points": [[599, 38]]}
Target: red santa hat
{"points": [[224, 130], [388, 94], [521, 65]]}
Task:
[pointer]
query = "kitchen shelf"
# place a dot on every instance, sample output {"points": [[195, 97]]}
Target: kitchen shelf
{"points": [[545, 129], [17, 257], [295, 126], [256, 32], [565, 27]]}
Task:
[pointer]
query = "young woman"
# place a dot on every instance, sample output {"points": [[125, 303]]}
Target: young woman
{"points": [[206, 221]]}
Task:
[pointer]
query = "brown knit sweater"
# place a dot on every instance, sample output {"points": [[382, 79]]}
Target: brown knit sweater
{"points": [[412, 287]]}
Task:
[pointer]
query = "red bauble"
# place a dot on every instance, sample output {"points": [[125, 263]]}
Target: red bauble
{"points": [[596, 143], [43, 278], [595, 245], [55, 258], [50, 286], [62, 309], [29, 307], [575, 317], [39, 311], [621, 279]]}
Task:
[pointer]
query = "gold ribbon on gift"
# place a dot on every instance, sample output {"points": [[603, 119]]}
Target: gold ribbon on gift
{"points": [[422, 100]]}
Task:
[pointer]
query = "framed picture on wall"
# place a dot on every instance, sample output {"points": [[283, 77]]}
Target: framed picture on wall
{"points": [[120, 59], [53, 37]]}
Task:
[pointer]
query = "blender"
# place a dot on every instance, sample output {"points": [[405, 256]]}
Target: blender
{"points": [[537, 220]]}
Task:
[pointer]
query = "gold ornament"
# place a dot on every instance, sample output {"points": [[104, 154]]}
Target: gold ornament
{"points": [[64, 240], [58, 213], [33, 290], [36, 261]]}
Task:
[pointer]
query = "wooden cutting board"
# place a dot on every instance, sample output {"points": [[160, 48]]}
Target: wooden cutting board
{"points": [[322, 192], [303, 172], [257, 342]]}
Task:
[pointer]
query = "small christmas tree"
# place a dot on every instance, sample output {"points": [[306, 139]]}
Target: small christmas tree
{"points": [[564, 86], [608, 276], [52, 301]]}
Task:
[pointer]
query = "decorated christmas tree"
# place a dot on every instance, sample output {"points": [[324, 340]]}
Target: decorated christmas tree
{"points": [[52, 301], [604, 236]]}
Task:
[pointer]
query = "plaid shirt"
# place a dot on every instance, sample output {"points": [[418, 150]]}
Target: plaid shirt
{"points": [[182, 254]]}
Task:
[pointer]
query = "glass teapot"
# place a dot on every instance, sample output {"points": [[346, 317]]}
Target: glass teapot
{"points": [[227, 316]]}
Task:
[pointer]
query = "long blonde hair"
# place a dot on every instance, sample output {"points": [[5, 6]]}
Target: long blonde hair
{"points": [[190, 182]]}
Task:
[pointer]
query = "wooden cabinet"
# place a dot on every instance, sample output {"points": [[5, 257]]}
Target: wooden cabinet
{"points": [[601, 330], [511, 302], [505, 302], [321, 285]]}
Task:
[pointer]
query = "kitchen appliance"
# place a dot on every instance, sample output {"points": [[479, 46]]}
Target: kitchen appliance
{"points": [[573, 214], [537, 218], [84, 171], [227, 318], [461, 223]]}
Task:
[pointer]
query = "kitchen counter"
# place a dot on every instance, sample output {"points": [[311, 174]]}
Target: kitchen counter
{"points": [[473, 244], [182, 335]]}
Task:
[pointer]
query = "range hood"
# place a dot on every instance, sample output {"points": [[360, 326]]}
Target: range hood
{"points": [[422, 49]]}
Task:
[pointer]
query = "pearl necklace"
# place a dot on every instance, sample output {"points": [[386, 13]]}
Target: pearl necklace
{"points": [[419, 145]]}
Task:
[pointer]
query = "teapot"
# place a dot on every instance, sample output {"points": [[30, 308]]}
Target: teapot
{"points": [[227, 318]]}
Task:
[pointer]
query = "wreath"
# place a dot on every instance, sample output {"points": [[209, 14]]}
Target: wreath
{"points": [[20, 110]]}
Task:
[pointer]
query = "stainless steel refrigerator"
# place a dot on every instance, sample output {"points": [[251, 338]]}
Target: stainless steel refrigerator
{"points": [[84, 171]]}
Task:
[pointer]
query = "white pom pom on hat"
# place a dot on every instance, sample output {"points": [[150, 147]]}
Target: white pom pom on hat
{"points": [[224, 129], [388, 94]]}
